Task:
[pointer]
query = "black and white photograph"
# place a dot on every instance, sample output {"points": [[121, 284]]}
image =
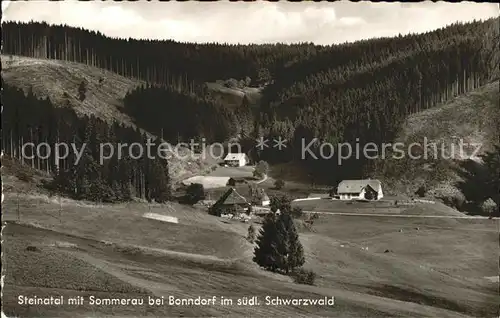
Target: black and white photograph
{"points": [[250, 159]]}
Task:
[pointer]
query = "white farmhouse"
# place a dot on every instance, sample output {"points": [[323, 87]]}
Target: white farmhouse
{"points": [[236, 159], [360, 190]]}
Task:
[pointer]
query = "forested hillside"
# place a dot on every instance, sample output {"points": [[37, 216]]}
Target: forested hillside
{"points": [[367, 98], [80, 173], [356, 92], [180, 117], [166, 62]]}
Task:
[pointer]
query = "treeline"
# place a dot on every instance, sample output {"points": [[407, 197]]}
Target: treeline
{"points": [[320, 65], [35, 123], [160, 62], [180, 117]]}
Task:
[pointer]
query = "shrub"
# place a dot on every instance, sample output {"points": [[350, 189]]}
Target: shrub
{"points": [[311, 218], [302, 276], [261, 169], [489, 207], [194, 193], [82, 91], [279, 184], [421, 191], [31, 248]]}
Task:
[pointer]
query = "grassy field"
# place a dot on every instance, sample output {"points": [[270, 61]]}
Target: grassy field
{"points": [[374, 267], [233, 95], [384, 206]]}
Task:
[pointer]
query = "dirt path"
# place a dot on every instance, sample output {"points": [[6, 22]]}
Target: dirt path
{"points": [[263, 179], [402, 215]]}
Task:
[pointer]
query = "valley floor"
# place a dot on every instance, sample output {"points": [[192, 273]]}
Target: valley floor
{"points": [[374, 267]]}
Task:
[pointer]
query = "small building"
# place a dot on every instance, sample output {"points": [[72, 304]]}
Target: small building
{"points": [[236, 159], [264, 200], [360, 190]]}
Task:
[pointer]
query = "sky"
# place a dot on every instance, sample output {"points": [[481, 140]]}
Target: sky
{"points": [[250, 22]]}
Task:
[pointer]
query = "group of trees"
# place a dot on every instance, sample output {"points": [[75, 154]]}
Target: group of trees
{"points": [[179, 116], [278, 247], [480, 183], [32, 129], [194, 193]]}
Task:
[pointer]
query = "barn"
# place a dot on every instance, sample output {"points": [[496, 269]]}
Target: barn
{"points": [[231, 198], [236, 159], [369, 189], [242, 199]]}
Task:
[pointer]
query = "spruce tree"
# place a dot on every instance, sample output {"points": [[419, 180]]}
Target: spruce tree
{"points": [[278, 244], [295, 252], [266, 252]]}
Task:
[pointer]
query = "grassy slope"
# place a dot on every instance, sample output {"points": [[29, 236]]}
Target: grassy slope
{"points": [[437, 270], [473, 118], [233, 96], [56, 79]]}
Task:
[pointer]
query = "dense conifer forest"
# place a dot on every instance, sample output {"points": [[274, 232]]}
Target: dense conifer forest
{"points": [[355, 92], [33, 122]]}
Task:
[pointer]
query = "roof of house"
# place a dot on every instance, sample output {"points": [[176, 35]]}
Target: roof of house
{"points": [[235, 156], [231, 196], [247, 193], [356, 186]]}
